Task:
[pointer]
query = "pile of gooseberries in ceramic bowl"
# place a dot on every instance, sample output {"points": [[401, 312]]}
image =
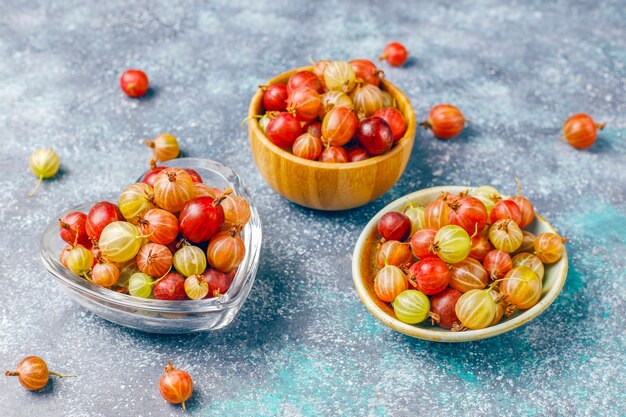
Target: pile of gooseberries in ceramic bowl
{"points": [[463, 261], [336, 113], [169, 237]]}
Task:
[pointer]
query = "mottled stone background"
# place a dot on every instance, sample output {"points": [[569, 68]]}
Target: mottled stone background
{"points": [[303, 343]]}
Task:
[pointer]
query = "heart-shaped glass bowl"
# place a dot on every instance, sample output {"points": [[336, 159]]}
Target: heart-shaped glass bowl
{"points": [[161, 316], [363, 271]]}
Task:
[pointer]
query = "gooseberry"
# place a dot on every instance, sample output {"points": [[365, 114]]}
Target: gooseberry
{"points": [[412, 307], [423, 243], [443, 305], [283, 130], [44, 163], [134, 83], [160, 226], [136, 200], [393, 252], [374, 135], [527, 210], [497, 263], [367, 71], [531, 261], [73, 229], [175, 385], [236, 211], [468, 274], [173, 188], [522, 287], [63, 256], [164, 147], [469, 213], [505, 235], [452, 244], [217, 281], [99, 216], [395, 54], [275, 97], [304, 79], [33, 373], [506, 209], [226, 250], [105, 273], [437, 213], [501, 307], [430, 275], [318, 69], [476, 309], [389, 282], [170, 287], [154, 259], [416, 216], [488, 195], [304, 103], [367, 99], [196, 287], [549, 247], [120, 241], [79, 260], [338, 126], [445, 120], [201, 218], [394, 119], [151, 175], [307, 146], [314, 128], [356, 153], [333, 99], [394, 226], [528, 242], [140, 285], [334, 154], [339, 76], [189, 260], [581, 131], [480, 247]]}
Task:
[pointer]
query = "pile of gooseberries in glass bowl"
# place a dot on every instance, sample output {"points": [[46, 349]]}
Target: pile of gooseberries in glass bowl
{"points": [[337, 112], [462, 261], [169, 237]]}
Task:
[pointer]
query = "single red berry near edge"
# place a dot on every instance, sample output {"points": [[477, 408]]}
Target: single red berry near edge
{"points": [[581, 131], [134, 83], [445, 120], [395, 54]]}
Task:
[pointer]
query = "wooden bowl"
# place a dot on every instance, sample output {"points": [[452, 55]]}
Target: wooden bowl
{"points": [[329, 186], [364, 269]]}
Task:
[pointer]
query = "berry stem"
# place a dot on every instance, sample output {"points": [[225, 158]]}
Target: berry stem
{"points": [[62, 375], [600, 126], [12, 373], [30, 194], [426, 124]]}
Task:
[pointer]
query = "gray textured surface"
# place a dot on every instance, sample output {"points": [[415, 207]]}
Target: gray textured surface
{"points": [[303, 344]]}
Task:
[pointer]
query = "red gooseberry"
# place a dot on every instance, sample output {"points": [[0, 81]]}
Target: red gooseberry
{"points": [[175, 385], [497, 263], [304, 79], [195, 177], [151, 175], [443, 305], [469, 213], [581, 131], [283, 130], [367, 71], [134, 83], [445, 120], [423, 243], [226, 250], [170, 287], [160, 226], [334, 154], [374, 135], [430, 275], [154, 259], [394, 119], [506, 209], [307, 146], [394, 226], [33, 373], [437, 213], [395, 54], [356, 153], [218, 282], [393, 252], [275, 97], [201, 218], [99, 216], [338, 126], [314, 128], [304, 103], [73, 229], [480, 247]]}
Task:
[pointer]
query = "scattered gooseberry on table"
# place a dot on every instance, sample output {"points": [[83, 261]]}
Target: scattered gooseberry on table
{"points": [[33, 373], [175, 385], [134, 83], [395, 54], [581, 131], [44, 163], [164, 146], [445, 120]]}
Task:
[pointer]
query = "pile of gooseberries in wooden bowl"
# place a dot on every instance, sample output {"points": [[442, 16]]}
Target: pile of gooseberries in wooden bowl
{"points": [[333, 136], [456, 264], [176, 251]]}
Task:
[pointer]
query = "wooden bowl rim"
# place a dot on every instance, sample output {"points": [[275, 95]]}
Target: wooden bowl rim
{"points": [[403, 143], [437, 334]]}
